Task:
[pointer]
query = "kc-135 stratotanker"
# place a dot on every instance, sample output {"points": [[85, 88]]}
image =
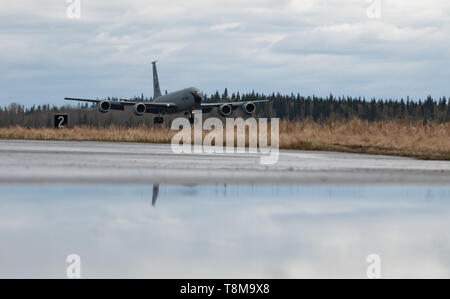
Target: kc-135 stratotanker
{"points": [[183, 101]]}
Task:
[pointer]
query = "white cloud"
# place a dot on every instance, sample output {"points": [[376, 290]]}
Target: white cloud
{"points": [[226, 26]]}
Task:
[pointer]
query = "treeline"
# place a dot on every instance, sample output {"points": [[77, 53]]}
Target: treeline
{"points": [[286, 107]]}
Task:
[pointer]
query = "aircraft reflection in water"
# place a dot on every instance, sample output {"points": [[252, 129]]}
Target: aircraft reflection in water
{"points": [[155, 194], [309, 224]]}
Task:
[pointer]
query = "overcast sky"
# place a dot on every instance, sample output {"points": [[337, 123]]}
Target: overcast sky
{"points": [[306, 46]]}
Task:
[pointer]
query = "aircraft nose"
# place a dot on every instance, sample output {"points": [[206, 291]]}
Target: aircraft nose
{"points": [[198, 96]]}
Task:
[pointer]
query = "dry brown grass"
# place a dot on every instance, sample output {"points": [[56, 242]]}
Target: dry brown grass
{"points": [[111, 134], [430, 141]]}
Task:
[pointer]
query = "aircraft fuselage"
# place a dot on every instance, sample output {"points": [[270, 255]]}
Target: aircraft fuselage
{"points": [[187, 99]]}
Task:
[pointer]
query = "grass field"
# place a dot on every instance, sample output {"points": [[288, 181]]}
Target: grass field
{"points": [[399, 138]]}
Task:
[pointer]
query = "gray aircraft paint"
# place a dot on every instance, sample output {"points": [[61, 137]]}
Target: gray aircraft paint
{"points": [[156, 90], [185, 100]]}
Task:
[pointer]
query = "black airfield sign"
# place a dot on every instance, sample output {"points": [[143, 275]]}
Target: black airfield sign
{"points": [[61, 121]]}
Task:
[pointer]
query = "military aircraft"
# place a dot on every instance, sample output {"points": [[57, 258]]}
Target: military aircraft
{"points": [[183, 101]]}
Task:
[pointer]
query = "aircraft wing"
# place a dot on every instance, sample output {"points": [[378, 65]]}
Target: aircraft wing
{"points": [[120, 102], [82, 100], [151, 107], [234, 104], [158, 105], [126, 102]]}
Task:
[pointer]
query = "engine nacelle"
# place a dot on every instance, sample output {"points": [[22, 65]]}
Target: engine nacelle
{"points": [[139, 109], [225, 110], [104, 106], [249, 108]]}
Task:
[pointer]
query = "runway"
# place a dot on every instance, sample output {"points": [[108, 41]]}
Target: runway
{"points": [[129, 163]]}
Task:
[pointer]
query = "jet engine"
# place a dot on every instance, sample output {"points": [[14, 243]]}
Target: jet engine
{"points": [[139, 109], [104, 106], [249, 108], [224, 110]]}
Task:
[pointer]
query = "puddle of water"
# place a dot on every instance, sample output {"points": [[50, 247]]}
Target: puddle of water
{"points": [[220, 231]]}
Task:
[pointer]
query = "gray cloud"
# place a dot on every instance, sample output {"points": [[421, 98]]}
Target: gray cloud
{"points": [[313, 46]]}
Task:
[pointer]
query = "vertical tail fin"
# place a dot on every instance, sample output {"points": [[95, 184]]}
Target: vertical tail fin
{"points": [[156, 90]]}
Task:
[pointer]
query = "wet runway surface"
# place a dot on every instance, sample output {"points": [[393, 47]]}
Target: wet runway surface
{"points": [[224, 231], [139, 210], [104, 162]]}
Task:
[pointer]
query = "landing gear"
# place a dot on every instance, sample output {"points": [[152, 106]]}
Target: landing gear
{"points": [[191, 117], [158, 120]]}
